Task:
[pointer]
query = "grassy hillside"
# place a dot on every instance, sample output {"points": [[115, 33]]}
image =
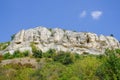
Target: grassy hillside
{"points": [[53, 65]]}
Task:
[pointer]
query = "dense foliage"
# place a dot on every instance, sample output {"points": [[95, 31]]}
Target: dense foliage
{"points": [[110, 69], [53, 65], [16, 54]]}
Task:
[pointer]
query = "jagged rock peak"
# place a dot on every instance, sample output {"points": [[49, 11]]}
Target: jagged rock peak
{"points": [[65, 40]]}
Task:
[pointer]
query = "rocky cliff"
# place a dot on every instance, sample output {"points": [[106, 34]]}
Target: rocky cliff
{"points": [[64, 40]]}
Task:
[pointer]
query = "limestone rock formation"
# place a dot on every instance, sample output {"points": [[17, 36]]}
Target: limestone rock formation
{"points": [[64, 40]]}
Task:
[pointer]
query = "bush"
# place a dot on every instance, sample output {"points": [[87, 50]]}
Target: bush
{"points": [[64, 58], [85, 69], [7, 56], [110, 69], [50, 53], [17, 54], [36, 53], [25, 53]]}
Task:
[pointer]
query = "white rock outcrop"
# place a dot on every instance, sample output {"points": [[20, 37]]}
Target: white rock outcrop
{"points": [[65, 40]]}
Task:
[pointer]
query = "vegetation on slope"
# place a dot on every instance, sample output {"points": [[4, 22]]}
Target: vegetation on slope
{"points": [[53, 65]]}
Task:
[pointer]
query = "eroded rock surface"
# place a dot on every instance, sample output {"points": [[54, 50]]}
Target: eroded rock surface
{"points": [[65, 40]]}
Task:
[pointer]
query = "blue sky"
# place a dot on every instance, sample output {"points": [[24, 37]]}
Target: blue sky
{"points": [[98, 16]]}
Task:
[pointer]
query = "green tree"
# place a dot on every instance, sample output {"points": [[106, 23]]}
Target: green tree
{"points": [[111, 35], [13, 36], [110, 69]]}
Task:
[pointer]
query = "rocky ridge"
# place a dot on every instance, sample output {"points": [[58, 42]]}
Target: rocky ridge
{"points": [[64, 40]]}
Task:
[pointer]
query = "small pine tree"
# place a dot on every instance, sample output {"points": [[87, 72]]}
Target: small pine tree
{"points": [[111, 35], [13, 36]]}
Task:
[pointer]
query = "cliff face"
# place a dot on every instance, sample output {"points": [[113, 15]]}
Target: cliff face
{"points": [[58, 39]]}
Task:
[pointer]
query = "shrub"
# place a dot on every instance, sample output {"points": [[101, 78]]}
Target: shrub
{"points": [[110, 69], [50, 53], [25, 53], [33, 47], [7, 56], [17, 54], [64, 58], [118, 51], [85, 69], [36, 53], [78, 56]]}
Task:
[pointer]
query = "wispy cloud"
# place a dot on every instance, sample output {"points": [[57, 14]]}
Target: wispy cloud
{"points": [[83, 14], [96, 14]]}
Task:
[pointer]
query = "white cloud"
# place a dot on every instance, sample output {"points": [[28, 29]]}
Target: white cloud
{"points": [[83, 14], [96, 14]]}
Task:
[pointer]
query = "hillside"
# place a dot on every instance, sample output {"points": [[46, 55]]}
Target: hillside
{"points": [[56, 54], [53, 65]]}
